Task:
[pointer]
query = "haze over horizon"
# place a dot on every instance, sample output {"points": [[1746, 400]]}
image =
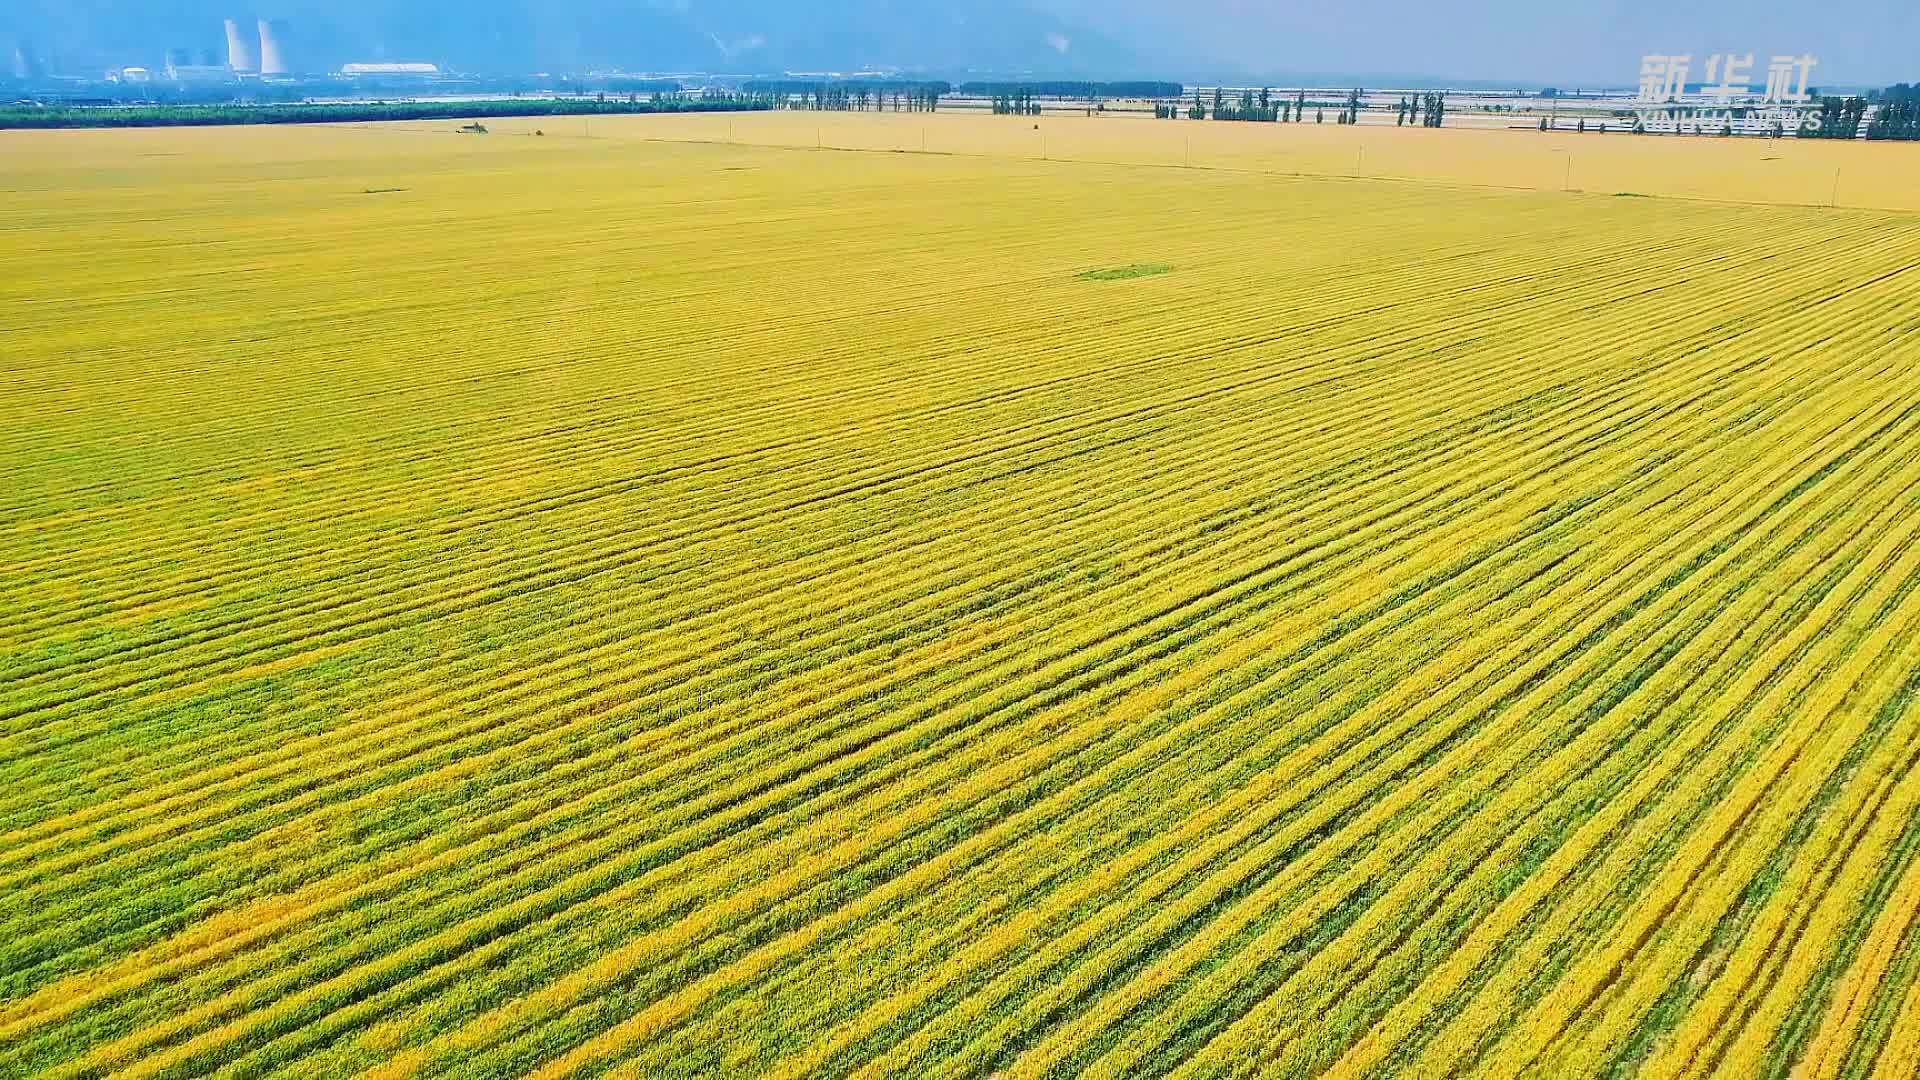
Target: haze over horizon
{"points": [[1492, 41]]}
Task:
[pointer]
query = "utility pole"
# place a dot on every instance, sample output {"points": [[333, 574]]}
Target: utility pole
{"points": [[1567, 184], [1186, 158], [1835, 201], [1359, 160]]}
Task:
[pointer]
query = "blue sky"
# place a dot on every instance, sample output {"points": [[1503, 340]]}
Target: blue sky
{"points": [[1592, 41], [1561, 42]]}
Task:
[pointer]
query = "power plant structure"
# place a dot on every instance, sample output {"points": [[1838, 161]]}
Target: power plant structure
{"points": [[240, 52], [26, 66], [263, 51], [273, 37], [255, 48], [181, 67]]}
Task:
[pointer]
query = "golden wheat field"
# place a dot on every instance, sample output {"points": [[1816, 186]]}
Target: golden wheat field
{"points": [[624, 606]]}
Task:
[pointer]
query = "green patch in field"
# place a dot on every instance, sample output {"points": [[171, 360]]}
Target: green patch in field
{"points": [[1121, 273]]}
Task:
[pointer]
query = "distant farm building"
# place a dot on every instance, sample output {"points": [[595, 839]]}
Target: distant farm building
{"points": [[390, 71], [181, 67]]}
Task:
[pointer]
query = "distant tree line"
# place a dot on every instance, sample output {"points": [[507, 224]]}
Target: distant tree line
{"points": [[1016, 103], [219, 115], [862, 95], [1421, 110], [1839, 118], [1078, 91], [618, 84], [1250, 106], [1897, 113], [1263, 105]]}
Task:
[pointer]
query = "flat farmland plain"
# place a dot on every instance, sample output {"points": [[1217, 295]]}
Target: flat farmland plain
{"points": [[1807, 172], [606, 606]]}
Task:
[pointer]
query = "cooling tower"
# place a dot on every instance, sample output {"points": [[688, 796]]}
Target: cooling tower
{"points": [[26, 67], [273, 39], [240, 49]]}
